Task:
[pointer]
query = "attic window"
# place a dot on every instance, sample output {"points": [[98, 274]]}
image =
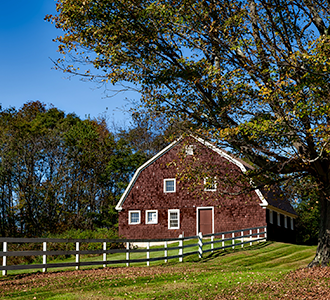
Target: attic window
{"points": [[169, 185], [134, 217], [190, 149], [210, 184]]}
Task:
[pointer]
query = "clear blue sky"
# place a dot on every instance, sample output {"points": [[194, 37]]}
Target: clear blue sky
{"points": [[26, 71]]}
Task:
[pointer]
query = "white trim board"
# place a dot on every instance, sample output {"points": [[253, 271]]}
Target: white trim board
{"points": [[140, 169]]}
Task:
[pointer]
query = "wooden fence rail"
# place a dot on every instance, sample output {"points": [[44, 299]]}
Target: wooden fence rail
{"points": [[234, 238]]}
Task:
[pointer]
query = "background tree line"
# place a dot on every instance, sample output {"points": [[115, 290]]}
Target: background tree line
{"points": [[58, 172]]}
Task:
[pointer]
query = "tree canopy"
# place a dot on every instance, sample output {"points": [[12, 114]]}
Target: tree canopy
{"points": [[58, 172], [252, 75]]}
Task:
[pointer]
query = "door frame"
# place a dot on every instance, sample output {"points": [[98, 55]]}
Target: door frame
{"points": [[197, 216]]}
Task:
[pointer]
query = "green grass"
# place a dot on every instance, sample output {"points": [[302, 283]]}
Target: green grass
{"points": [[249, 273]]}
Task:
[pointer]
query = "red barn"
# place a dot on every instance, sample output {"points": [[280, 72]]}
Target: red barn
{"points": [[161, 202]]}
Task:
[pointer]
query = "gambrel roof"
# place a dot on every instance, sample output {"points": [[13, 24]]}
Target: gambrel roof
{"points": [[267, 199]]}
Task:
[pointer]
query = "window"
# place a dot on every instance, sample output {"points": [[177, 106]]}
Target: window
{"points": [[271, 217], [151, 217], [190, 149], [169, 185], [210, 184], [173, 219], [134, 217]]}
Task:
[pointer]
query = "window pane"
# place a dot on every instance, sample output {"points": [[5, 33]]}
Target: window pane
{"points": [[135, 217], [174, 222], [173, 215], [152, 216], [169, 186]]}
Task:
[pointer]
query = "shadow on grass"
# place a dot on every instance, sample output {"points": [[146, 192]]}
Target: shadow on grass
{"points": [[227, 251]]}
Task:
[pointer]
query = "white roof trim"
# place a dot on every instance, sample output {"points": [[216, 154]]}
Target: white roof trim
{"points": [[234, 161], [140, 169], [283, 212], [221, 153], [209, 145], [262, 198]]}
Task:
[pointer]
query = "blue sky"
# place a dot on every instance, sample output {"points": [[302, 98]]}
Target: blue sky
{"points": [[26, 71]]}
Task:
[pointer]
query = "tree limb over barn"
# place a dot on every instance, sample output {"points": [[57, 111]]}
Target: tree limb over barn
{"points": [[252, 75]]}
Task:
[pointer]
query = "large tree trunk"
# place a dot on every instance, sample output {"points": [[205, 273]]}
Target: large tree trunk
{"points": [[322, 257]]}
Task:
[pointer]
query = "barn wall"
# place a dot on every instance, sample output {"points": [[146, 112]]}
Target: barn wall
{"points": [[230, 212], [278, 232]]}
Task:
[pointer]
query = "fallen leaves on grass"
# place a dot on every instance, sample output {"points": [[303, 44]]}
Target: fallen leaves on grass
{"points": [[25, 282], [302, 284]]}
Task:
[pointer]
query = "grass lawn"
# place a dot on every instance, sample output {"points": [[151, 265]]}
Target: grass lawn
{"points": [[263, 271]]}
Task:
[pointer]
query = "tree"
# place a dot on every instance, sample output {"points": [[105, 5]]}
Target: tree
{"points": [[251, 75], [58, 172], [306, 204]]}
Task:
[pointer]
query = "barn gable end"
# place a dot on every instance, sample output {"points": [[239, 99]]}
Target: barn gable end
{"points": [[156, 204]]}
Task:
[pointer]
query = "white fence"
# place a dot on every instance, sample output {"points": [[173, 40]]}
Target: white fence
{"points": [[217, 241]]}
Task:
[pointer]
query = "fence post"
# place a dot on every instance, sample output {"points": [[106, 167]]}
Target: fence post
{"points": [[148, 254], [242, 239], [181, 247], [250, 237], [77, 255], [127, 254], [44, 257], [258, 236], [223, 242], [200, 244], [233, 240], [4, 259], [212, 244], [165, 252], [265, 235], [104, 254]]}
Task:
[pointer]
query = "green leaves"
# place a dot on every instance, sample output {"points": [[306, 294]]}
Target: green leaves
{"points": [[59, 172]]}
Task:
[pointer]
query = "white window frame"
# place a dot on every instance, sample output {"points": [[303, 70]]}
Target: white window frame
{"points": [[211, 189], [190, 149], [271, 218], [168, 218], [130, 217], [169, 179], [278, 219], [153, 221]]}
